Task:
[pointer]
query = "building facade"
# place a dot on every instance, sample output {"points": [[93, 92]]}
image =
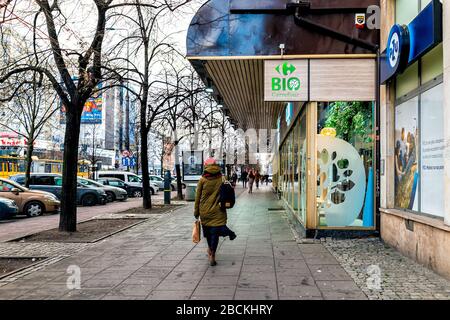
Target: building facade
{"points": [[361, 110], [415, 122]]}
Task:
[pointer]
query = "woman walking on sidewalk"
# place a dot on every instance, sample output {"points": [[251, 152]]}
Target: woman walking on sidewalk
{"points": [[208, 208]]}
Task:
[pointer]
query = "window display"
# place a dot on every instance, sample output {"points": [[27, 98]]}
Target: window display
{"points": [[406, 155], [345, 164], [432, 151]]}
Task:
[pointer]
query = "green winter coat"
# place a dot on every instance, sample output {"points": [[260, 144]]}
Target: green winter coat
{"points": [[207, 205]]}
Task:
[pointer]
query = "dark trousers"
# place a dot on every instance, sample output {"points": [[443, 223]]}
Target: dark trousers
{"points": [[212, 235]]}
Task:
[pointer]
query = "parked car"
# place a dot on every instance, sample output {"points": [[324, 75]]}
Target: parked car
{"points": [[129, 178], [8, 208], [159, 181], [52, 182], [112, 193], [133, 191], [33, 203]]}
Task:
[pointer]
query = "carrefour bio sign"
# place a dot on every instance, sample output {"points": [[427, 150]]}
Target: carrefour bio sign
{"points": [[286, 80]]}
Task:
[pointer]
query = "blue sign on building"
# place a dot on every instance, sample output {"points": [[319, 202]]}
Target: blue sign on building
{"points": [[406, 44]]}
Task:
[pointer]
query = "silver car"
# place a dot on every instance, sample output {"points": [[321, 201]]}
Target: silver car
{"points": [[159, 181], [112, 193]]}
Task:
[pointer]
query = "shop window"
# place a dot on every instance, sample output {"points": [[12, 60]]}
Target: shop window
{"points": [[406, 155], [406, 10], [419, 153], [432, 152], [424, 3], [302, 168], [432, 64], [345, 176], [295, 162], [408, 80]]}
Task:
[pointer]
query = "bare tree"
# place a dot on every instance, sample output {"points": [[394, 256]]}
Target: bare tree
{"points": [[149, 48], [27, 114], [74, 74]]}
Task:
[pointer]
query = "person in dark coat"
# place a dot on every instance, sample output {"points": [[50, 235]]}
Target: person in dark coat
{"points": [[244, 176]]}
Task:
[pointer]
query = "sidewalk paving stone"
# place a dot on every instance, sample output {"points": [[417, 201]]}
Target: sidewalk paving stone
{"points": [[157, 260]]}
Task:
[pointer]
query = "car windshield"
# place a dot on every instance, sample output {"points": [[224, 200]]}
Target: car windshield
{"points": [[87, 182], [116, 183], [132, 178], [8, 186], [58, 181]]}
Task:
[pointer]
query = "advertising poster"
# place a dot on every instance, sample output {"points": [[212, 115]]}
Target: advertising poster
{"points": [[406, 155], [432, 152], [92, 111], [192, 165]]}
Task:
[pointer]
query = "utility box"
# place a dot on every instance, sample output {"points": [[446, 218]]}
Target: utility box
{"points": [[191, 189]]}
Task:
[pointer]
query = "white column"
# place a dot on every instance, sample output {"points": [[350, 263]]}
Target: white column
{"points": [[446, 14]]}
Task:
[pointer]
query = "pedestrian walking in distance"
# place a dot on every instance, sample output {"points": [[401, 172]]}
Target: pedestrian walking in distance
{"points": [[257, 178], [213, 217], [244, 176], [251, 180], [234, 178]]}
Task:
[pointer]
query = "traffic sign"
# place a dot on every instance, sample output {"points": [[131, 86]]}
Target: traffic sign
{"points": [[126, 162]]}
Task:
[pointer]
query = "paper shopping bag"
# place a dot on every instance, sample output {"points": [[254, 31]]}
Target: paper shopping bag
{"points": [[196, 232]]}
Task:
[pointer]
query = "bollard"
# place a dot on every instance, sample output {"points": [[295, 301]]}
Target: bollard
{"points": [[167, 187]]}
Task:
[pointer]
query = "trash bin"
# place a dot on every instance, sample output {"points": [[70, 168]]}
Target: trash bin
{"points": [[191, 189]]}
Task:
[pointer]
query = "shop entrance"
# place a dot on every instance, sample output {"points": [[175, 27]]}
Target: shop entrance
{"points": [[327, 166]]}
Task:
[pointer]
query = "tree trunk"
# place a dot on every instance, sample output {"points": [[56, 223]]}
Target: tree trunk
{"points": [[68, 217], [29, 160], [147, 200]]}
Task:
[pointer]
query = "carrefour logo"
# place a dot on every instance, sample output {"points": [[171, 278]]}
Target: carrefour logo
{"points": [[286, 80]]}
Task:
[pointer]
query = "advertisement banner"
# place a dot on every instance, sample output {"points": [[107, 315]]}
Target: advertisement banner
{"points": [[406, 155], [92, 111], [192, 165]]}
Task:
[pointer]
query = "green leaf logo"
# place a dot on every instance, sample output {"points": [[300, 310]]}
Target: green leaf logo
{"points": [[286, 69]]}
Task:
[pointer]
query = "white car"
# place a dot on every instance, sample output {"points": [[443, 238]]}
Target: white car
{"points": [[128, 177]]}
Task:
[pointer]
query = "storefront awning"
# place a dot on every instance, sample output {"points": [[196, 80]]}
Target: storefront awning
{"points": [[229, 40]]}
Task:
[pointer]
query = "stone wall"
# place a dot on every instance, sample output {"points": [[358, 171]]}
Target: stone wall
{"points": [[426, 243]]}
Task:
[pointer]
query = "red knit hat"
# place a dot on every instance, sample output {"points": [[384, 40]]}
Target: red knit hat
{"points": [[210, 161]]}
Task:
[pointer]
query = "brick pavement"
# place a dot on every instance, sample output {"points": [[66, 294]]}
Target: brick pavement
{"points": [[157, 260], [400, 277], [21, 227]]}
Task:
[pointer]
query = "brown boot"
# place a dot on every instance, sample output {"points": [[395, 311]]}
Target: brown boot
{"points": [[209, 254], [212, 260]]}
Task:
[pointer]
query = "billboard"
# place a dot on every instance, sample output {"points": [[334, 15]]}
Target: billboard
{"points": [[192, 165], [92, 111]]}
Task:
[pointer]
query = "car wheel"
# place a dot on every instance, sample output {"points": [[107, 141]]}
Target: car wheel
{"points": [[172, 187], [89, 200], [152, 191], [184, 186], [110, 197], [33, 209], [137, 193]]}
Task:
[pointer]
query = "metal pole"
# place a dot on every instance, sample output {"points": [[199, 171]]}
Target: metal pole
{"points": [[167, 187]]}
